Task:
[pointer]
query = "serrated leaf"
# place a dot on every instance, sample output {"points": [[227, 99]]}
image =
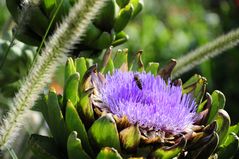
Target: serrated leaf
{"points": [[74, 148], [44, 147], [74, 123], [104, 133], [108, 153], [56, 120]]}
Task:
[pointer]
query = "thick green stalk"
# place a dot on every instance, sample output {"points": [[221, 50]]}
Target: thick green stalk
{"points": [[205, 52], [54, 53]]}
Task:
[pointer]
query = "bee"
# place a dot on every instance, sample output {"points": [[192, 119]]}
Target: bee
{"points": [[138, 81]]}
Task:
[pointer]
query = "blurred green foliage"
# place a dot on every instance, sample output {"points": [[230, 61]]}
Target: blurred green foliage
{"points": [[4, 14]]}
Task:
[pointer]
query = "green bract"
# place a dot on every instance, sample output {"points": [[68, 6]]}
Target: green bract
{"points": [[81, 130], [105, 30]]}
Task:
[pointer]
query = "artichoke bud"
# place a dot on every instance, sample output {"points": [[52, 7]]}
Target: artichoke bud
{"points": [[130, 138], [197, 86], [101, 33], [108, 112]]}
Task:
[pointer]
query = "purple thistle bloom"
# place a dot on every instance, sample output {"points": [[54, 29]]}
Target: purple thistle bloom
{"points": [[147, 100]]}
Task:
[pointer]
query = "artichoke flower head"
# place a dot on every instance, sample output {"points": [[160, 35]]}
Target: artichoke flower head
{"points": [[147, 101]]}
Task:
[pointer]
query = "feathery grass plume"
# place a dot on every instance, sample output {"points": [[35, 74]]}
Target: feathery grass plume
{"points": [[67, 34], [205, 52]]}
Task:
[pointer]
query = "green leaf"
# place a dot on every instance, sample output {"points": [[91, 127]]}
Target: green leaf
{"points": [[169, 152], [223, 123], [108, 153], [137, 6], [91, 35], [196, 85], [56, 120], [103, 41], [109, 67], [81, 66], [41, 104], [120, 38], [234, 129], [130, 138], [122, 3], [74, 147], [123, 18], [121, 58], [48, 6], [44, 147], [153, 67], [218, 102], [71, 89], [229, 147], [166, 71], [69, 69], [104, 133], [105, 19], [74, 123], [85, 110]]}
